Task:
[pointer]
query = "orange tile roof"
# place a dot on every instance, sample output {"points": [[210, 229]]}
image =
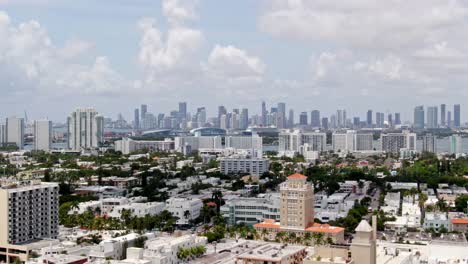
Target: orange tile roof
{"points": [[297, 176], [325, 228], [460, 221], [267, 225]]}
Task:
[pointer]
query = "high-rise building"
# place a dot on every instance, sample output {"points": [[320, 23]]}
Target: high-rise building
{"points": [[315, 119], [42, 135], [15, 131], [432, 115], [378, 119], [29, 213], [296, 202], [244, 118], [85, 129], [343, 142], [397, 119], [281, 116], [183, 110], [449, 119], [442, 115], [456, 115], [363, 142], [291, 118], [429, 143], [136, 119], [419, 117], [221, 111], [390, 120], [264, 114], [356, 122], [325, 123], [303, 119], [455, 142], [144, 110], [3, 139], [394, 142], [369, 118]]}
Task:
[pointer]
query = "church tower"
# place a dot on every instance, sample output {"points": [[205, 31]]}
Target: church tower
{"points": [[363, 247]]}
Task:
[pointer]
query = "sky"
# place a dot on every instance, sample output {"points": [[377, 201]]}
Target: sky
{"points": [[113, 55]]}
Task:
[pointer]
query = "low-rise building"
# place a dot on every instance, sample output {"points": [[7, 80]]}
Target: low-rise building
{"points": [[138, 209], [251, 210], [185, 209], [273, 253], [436, 221], [459, 225]]}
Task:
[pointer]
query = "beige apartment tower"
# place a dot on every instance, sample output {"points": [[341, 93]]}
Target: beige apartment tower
{"points": [[296, 203], [28, 214]]}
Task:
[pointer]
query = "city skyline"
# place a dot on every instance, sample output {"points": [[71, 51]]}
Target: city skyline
{"points": [[53, 63]]}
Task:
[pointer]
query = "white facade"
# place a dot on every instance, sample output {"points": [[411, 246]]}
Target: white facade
{"points": [[128, 145], [42, 134], [252, 210], [138, 209], [436, 221], [343, 142], [197, 142], [163, 250], [291, 141], [85, 129], [29, 212], [253, 166], [15, 131], [252, 143], [180, 206]]}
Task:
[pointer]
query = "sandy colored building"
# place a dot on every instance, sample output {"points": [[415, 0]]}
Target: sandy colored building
{"points": [[297, 213]]}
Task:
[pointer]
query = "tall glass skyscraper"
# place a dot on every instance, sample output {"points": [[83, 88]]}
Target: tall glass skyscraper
{"points": [[419, 117]]}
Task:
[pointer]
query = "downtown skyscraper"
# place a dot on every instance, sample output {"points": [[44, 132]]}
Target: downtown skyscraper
{"points": [[456, 115], [419, 117]]}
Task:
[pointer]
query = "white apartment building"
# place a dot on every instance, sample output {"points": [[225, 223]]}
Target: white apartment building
{"points": [[351, 141], [138, 209], [290, 141], [252, 210], [192, 143], [184, 208], [128, 145], [29, 213], [344, 142], [15, 131], [85, 129], [253, 166], [436, 221], [164, 250], [394, 142], [42, 135], [253, 143]]}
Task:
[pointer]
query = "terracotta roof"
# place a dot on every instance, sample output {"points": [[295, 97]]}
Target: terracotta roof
{"points": [[325, 228], [297, 176], [460, 221], [268, 224]]}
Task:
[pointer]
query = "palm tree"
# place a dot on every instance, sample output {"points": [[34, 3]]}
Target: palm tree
{"points": [[292, 237], [264, 233], [307, 237], [442, 205], [205, 211], [217, 196], [280, 236]]}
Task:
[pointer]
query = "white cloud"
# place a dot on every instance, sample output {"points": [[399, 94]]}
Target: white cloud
{"points": [[231, 63], [159, 53], [393, 45], [30, 61], [179, 11]]}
